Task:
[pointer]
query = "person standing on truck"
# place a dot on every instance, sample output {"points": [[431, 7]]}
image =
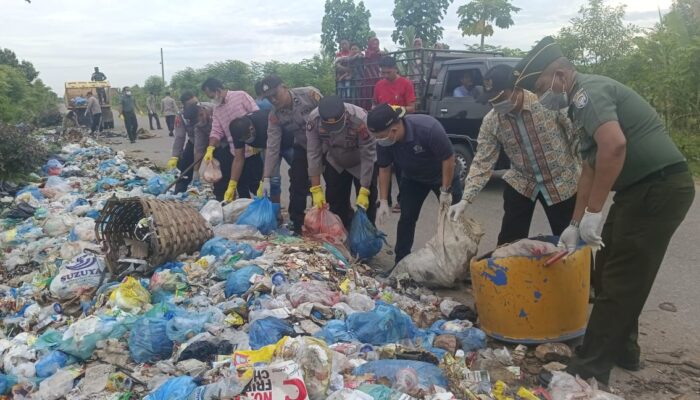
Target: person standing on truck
{"points": [[168, 106], [288, 118], [246, 173], [340, 146], [343, 73], [128, 112], [371, 72], [94, 109], [152, 110], [229, 105], [544, 165], [98, 76], [418, 144], [625, 149]]}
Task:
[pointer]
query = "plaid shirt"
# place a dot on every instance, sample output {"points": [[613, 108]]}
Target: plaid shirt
{"points": [[236, 104], [542, 151]]}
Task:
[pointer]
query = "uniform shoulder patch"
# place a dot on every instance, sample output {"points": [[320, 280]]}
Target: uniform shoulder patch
{"points": [[311, 124], [580, 99]]}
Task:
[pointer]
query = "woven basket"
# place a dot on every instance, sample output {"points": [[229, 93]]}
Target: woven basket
{"points": [[174, 228]]}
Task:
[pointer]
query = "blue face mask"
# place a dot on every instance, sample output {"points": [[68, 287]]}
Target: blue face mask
{"points": [[554, 101]]}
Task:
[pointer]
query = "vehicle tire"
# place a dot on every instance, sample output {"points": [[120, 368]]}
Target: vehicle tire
{"points": [[463, 159]]}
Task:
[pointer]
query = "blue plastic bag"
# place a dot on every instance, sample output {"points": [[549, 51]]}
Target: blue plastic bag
{"points": [[238, 281], [385, 324], [156, 185], [183, 325], [6, 383], [50, 363], [335, 331], [267, 331], [174, 389], [472, 339], [106, 184], [261, 214], [365, 239], [219, 247], [428, 374], [148, 340]]}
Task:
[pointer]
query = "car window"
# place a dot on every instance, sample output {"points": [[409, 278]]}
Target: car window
{"points": [[455, 83]]}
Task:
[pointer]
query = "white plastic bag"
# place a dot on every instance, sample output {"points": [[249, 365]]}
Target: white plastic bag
{"points": [[444, 260], [234, 209], [565, 387], [210, 171], [81, 275], [525, 248], [213, 212]]}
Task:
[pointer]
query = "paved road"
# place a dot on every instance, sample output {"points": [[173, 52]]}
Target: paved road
{"points": [[661, 331]]}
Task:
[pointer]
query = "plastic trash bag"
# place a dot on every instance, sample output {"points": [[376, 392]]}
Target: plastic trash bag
{"points": [[311, 292], [219, 247], [80, 339], [261, 214], [268, 331], [366, 240], [351, 394], [315, 359], [428, 374], [238, 281], [322, 225], [444, 261], [210, 171], [472, 339], [525, 248], [148, 340], [178, 388], [335, 331], [77, 277], [385, 324], [237, 232], [6, 383], [50, 363], [566, 387], [213, 212], [21, 210], [130, 296], [234, 209], [156, 185], [106, 184], [185, 325]]}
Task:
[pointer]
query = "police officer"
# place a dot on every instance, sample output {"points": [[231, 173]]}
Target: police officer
{"points": [[337, 134], [191, 139], [246, 174], [291, 108], [626, 149], [418, 144]]}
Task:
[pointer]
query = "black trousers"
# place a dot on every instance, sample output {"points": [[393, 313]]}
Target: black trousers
{"points": [[96, 120], [186, 159], [397, 171], [413, 195], [152, 116], [250, 177], [102, 95], [518, 215], [225, 158], [338, 187], [170, 121], [298, 187], [131, 124]]}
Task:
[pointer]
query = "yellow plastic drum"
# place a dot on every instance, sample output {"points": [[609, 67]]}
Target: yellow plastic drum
{"points": [[521, 300]]}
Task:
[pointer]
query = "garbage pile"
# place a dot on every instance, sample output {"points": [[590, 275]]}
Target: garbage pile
{"points": [[256, 313]]}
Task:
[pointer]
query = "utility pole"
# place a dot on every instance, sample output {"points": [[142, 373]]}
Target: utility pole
{"points": [[162, 66]]}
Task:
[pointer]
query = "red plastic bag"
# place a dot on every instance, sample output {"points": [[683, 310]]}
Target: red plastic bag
{"points": [[322, 225]]}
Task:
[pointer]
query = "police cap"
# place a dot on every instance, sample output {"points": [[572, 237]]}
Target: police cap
{"points": [[332, 112], [383, 116], [536, 61], [269, 84]]}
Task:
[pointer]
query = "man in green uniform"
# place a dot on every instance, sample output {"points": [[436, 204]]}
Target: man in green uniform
{"points": [[625, 149]]}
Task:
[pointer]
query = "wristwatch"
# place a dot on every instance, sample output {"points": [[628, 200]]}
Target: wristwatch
{"points": [[575, 223], [446, 190]]}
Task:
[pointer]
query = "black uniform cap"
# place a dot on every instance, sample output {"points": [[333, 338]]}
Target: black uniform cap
{"points": [[383, 116], [332, 112], [269, 84], [498, 79]]}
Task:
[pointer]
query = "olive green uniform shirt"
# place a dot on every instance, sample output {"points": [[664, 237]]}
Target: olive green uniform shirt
{"points": [[597, 100]]}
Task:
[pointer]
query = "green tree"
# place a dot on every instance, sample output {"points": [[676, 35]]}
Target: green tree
{"points": [[317, 72], [420, 17], [8, 57], [478, 17], [154, 84], [344, 20], [188, 79], [598, 39], [234, 74], [506, 51]]}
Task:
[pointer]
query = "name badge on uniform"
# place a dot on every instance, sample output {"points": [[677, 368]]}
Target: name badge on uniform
{"points": [[417, 149]]}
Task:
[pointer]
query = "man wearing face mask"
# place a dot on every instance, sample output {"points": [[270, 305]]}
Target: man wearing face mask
{"points": [[229, 105], [544, 165], [128, 112], [625, 149], [291, 108], [246, 174], [191, 139], [418, 144], [340, 146]]}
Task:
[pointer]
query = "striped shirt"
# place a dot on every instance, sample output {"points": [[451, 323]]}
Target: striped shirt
{"points": [[236, 104], [540, 145]]}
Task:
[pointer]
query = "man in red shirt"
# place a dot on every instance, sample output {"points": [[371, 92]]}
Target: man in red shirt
{"points": [[394, 89]]}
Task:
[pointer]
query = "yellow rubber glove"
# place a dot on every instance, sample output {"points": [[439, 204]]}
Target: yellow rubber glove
{"points": [[363, 198], [230, 194], [260, 189], [172, 163], [317, 196], [209, 155]]}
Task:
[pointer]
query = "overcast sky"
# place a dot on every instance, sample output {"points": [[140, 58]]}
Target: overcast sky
{"points": [[65, 39]]}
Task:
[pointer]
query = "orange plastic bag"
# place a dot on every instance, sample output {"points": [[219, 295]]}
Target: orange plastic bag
{"points": [[322, 225]]}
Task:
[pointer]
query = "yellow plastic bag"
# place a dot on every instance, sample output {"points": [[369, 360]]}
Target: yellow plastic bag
{"points": [[130, 296], [245, 360]]}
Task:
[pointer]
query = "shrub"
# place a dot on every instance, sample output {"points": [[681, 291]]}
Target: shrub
{"points": [[21, 152]]}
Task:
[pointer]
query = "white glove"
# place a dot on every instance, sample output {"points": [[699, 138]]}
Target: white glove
{"points": [[569, 238], [445, 199], [383, 211], [458, 209], [590, 227]]}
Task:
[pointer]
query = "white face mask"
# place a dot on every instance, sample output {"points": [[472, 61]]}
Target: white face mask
{"points": [[505, 106], [554, 101]]}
